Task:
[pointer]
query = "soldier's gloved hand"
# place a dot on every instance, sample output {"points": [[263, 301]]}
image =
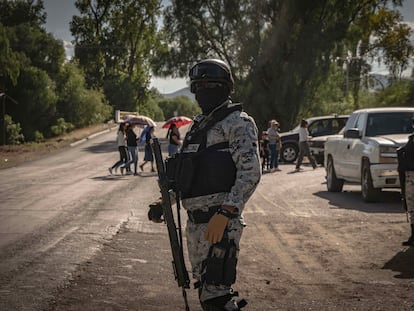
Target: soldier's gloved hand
{"points": [[217, 224], [215, 228]]}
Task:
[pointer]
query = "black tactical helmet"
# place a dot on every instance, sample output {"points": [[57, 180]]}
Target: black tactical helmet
{"points": [[211, 70]]}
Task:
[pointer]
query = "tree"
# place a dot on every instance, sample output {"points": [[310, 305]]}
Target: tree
{"points": [[114, 43], [30, 58], [9, 60], [77, 104], [181, 105], [376, 34], [36, 99], [280, 51]]}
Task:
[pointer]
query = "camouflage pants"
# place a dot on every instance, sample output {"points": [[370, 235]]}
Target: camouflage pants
{"points": [[198, 248], [409, 194]]}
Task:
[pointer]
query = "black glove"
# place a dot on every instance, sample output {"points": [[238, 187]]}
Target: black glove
{"points": [[155, 212]]}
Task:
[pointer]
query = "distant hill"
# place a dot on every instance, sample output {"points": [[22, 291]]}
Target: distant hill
{"points": [[182, 92]]}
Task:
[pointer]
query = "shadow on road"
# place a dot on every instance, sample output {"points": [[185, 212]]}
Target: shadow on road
{"points": [[104, 147], [388, 201], [402, 263], [109, 177], [110, 146]]}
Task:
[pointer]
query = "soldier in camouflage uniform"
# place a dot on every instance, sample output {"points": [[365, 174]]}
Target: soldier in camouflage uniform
{"points": [[220, 171], [406, 171]]}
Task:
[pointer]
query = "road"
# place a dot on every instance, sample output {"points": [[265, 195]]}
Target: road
{"points": [[75, 238]]}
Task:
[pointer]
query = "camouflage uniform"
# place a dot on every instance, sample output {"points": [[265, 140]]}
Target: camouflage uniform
{"points": [[406, 171], [240, 131], [409, 194]]}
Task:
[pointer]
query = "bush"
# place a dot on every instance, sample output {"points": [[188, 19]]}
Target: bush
{"points": [[38, 136], [14, 134], [62, 127]]}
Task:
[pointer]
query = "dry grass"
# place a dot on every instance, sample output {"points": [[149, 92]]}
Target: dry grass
{"points": [[11, 155]]}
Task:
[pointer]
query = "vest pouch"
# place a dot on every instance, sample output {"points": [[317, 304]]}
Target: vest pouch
{"points": [[216, 172], [171, 167], [185, 175]]}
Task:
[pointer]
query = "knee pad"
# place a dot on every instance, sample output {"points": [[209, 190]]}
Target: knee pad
{"points": [[220, 265]]}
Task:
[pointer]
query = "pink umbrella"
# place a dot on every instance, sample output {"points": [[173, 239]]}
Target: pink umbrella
{"points": [[178, 121], [139, 120]]}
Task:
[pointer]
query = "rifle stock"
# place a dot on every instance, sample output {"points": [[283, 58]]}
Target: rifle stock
{"points": [[174, 233]]}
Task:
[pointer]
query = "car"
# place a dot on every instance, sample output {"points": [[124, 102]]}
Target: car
{"points": [[366, 152], [317, 126], [317, 147]]}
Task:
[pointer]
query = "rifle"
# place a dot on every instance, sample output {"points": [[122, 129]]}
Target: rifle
{"points": [[174, 233]]}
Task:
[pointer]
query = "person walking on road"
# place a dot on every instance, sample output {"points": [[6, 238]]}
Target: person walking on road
{"points": [[122, 148], [173, 136], [275, 144], [220, 171], [132, 146], [148, 155], [304, 146]]}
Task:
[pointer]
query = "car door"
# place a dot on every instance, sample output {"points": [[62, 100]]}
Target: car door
{"points": [[341, 151], [353, 151]]}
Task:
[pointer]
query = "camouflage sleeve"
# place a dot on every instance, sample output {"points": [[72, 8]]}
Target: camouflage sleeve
{"points": [[243, 144]]}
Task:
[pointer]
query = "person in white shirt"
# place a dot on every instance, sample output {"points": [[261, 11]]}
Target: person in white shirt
{"points": [[304, 146], [122, 148]]}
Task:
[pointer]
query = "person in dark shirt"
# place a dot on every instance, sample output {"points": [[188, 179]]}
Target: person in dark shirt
{"points": [[148, 155], [174, 140], [132, 146]]}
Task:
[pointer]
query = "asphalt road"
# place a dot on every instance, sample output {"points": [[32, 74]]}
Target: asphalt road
{"points": [[75, 238]]}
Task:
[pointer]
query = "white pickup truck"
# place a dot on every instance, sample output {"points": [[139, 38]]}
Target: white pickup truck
{"points": [[364, 152]]}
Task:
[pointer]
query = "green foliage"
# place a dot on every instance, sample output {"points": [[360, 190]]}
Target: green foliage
{"points": [[36, 97], [9, 64], [115, 38], [62, 127], [93, 108], [76, 103], [151, 109], [125, 93], [38, 137], [180, 105], [14, 134], [281, 51], [399, 94], [328, 98]]}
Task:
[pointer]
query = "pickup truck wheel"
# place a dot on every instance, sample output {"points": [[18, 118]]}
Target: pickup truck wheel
{"points": [[333, 183], [369, 193], [289, 153]]}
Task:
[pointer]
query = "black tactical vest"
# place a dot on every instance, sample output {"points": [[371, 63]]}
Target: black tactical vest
{"points": [[206, 170]]}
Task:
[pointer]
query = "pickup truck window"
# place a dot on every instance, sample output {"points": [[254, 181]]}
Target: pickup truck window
{"points": [[360, 125], [389, 123], [351, 121]]}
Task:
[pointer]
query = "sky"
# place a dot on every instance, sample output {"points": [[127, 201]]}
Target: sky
{"points": [[60, 12]]}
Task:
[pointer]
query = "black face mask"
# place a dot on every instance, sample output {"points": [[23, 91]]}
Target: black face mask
{"points": [[210, 98]]}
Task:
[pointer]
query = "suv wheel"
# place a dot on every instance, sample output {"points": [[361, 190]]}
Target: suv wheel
{"points": [[289, 153], [333, 183], [369, 193]]}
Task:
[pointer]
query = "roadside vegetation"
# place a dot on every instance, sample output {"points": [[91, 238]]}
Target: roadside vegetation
{"points": [[290, 59]]}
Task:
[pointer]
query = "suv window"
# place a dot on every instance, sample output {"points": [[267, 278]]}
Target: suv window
{"points": [[326, 127], [337, 125]]}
